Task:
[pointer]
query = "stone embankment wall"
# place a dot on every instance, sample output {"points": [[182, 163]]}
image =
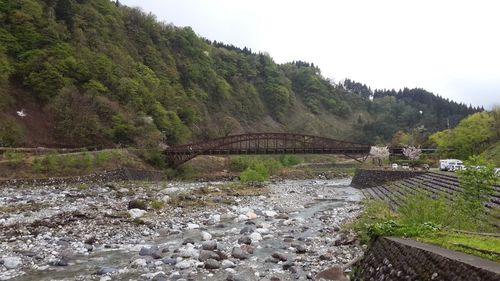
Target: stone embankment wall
{"points": [[365, 178], [104, 176], [401, 259]]}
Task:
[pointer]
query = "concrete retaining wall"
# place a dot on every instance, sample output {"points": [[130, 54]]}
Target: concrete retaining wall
{"points": [[104, 176], [365, 178], [402, 259]]}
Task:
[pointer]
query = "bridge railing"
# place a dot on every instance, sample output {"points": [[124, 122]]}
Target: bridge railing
{"points": [[265, 143]]}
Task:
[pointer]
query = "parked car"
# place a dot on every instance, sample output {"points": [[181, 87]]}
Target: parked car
{"points": [[447, 164], [405, 166], [456, 167], [395, 165]]}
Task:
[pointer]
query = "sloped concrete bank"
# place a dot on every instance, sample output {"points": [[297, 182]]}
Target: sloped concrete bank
{"points": [[365, 178], [391, 258]]}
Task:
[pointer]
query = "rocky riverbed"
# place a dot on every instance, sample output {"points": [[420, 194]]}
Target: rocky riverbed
{"points": [[288, 230]]}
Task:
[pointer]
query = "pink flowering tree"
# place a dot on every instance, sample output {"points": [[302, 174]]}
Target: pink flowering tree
{"points": [[379, 153], [412, 152]]}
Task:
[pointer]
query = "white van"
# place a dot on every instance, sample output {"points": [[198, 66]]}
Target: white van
{"points": [[447, 164]]}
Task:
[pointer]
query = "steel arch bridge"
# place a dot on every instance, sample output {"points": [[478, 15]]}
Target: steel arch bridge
{"points": [[265, 143]]}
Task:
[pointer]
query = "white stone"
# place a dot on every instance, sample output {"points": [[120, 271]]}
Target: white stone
{"points": [[186, 264], [245, 210], [136, 213], [123, 190], [151, 275], [12, 262], [227, 264], [105, 278], [270, 213], [206, 236], [255, 236], [165, 199], [262, 230], [215, 218], [139, 263], [170, 190], [251, 215], [193, 226], [242, 218], [188, 251]]}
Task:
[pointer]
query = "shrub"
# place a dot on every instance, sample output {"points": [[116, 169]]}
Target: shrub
{"points": [[391, 227], [290, 160], [157, 204], [37, 166], [258, 173], [11, 133], [51, 162], [15, 158], [421, 208], [153, 157], [477, 181], [103, 157], [242, 163], [137, 204]]}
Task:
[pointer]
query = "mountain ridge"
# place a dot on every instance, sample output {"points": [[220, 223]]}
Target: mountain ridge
{"points": [[92, 72]]}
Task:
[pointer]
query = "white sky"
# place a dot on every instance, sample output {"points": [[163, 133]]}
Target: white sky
{"points": [[451, 48]]}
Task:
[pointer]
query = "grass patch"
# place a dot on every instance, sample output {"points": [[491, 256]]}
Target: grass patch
{"points": [[187, 200], [493, 154], [255, 174], [14, 158], [425, 220], [375, 212], [74, 163], [207, 196], [157, 204], [258, 169], [239, 189], [476, 245]]}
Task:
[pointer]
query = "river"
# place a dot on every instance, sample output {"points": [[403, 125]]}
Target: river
{"points": [[289, 230]]}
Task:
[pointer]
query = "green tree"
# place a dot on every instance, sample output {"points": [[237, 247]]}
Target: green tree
{"points": [[46, 82], [495, 112], [5, 71], [76, 119], [471, 136], [477, 182], [229, 125]]}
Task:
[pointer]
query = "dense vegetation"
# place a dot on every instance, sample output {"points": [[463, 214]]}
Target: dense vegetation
{"points": [[93, 72], [475, 134]]}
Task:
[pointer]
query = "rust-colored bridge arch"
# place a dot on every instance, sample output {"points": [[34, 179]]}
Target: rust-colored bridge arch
{"points": [[264, 143]]}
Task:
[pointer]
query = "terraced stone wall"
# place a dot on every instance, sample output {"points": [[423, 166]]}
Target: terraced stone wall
{"points": [[365, 178], [402, 259]]}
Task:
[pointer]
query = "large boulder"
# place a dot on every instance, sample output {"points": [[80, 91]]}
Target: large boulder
{"points": [[12, 262]]}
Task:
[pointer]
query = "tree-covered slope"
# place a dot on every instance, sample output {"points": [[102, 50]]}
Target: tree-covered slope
{"points": [[91, 72]]}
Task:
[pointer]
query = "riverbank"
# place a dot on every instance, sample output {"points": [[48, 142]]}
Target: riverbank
{"points": [[197, 231]]}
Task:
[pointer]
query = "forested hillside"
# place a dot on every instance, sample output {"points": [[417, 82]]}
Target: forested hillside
{"points": [[94, 72]]}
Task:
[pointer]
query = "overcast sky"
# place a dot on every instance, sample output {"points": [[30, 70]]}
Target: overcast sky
{"points": [[451, 48]]}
